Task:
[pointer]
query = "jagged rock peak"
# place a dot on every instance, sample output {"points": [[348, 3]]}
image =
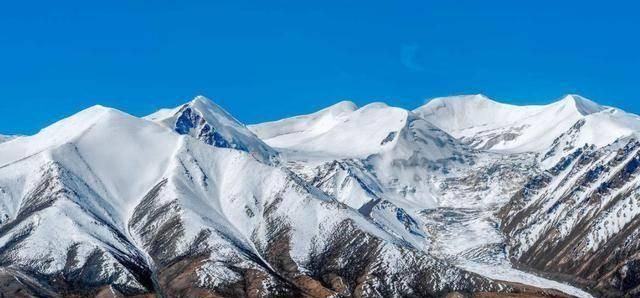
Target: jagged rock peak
{"points": [[201, 118]]}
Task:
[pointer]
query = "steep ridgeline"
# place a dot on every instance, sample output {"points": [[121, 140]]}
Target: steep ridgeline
{"points": [[206, 121], [106, 204], [577, 219], [580, 219], [552, 130]]}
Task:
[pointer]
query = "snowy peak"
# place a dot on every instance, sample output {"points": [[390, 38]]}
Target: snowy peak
{"points": [[207, 107], [304, 125], [64, 131], [340, 130], [581, 105], [117, 155], [344, 106], [489, 125], [208, 122], [343, 131], [471, 99], [454, 103], [477, 100], [455, 113], [465, 111]]}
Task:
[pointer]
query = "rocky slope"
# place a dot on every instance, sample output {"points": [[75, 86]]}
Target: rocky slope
{"points": [[428, 188], [580, 218]]}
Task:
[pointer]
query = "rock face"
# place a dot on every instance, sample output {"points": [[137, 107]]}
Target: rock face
{"points": [[206, 121], [580, 218], [346, 202]]}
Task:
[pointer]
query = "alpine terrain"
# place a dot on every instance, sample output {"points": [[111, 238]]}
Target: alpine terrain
{"points": [[461, 197]]}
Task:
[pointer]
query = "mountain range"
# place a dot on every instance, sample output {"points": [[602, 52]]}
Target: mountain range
{"points": [[463, 196]]}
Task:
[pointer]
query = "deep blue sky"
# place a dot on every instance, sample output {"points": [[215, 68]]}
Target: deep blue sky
{"points": [[265, 60]]}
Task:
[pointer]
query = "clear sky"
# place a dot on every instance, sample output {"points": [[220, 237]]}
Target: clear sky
{"points": [[265, 60]]}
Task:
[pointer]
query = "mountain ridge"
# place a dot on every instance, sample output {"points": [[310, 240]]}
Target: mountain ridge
{"points": [[189, 201], [203, 119], [533, 128]]}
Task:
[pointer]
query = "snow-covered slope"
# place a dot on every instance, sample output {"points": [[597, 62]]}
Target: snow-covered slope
{"points": [[486, 124], [68, 192], [292, 131], [422, 178], [569, 218], [581, 218], [369, 158], [87, 144], [4, 138], [204, 120], [393, 149], [190, 202], [104, 202], [344, 131], [578, 216]]}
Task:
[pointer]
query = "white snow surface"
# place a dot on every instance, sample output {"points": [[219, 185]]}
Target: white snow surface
{"points": [[124, 155], [96, 166], [110, 160], [344, 131], [337, 131], [500, 127], [399, 146]]}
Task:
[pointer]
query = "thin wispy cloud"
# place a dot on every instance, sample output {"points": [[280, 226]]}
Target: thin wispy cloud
{"points": [[409, 57]]}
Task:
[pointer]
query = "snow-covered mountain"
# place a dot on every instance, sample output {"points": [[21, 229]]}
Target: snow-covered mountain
{"points": [[575, 219], [106, 204], [497, 151], [581, 218], [489, 125], [375, 201]]}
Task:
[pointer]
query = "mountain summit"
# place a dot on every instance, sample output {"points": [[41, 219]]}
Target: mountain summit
{"points": [[344, 131], [204, 120], [582, 105], [489, 125]]}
